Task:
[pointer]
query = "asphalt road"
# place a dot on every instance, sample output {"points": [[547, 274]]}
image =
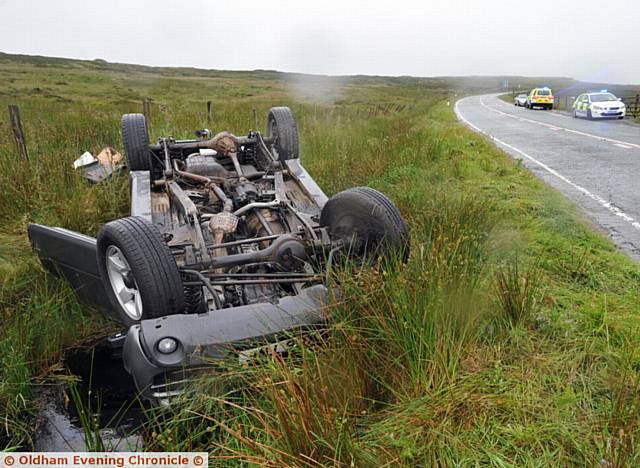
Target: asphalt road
{"points": [[594, 163]]}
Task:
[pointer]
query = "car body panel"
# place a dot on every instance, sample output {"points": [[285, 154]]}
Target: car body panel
{"points": [[209, 338], [72, 256]]}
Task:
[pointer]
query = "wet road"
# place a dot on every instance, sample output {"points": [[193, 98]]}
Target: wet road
{"points": [[594, 163]]}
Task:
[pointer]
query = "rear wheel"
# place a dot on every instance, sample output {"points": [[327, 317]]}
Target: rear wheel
{"points": [[135, 138], [367, 223], [282, 127], [139, 272]]}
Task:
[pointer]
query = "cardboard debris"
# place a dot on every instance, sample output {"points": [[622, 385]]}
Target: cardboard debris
{"points": [[109, 157], [97, 169]]}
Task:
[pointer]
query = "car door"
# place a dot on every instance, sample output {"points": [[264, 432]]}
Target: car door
{"points": [[576, 104], [586, 105], [72, 256], [582, 107]]}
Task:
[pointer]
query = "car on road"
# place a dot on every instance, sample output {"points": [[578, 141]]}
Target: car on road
{"points": [[520, 100], [599, 105], [227, 250], [540, 97]]}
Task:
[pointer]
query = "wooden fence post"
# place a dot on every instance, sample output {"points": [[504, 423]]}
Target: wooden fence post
{"points": [[146, 110], [208, 111], [18, 132]]}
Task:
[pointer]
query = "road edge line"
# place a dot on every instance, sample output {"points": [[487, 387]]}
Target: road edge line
{"points": [[612, 208]]}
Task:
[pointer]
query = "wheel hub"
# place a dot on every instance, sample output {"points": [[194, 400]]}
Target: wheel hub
{"points": [[123, 283]]}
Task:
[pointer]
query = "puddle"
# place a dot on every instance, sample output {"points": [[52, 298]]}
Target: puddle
{"points": [[106, 393]]}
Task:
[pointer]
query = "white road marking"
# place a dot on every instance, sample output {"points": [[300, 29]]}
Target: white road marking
{"points": [[554, 113], [623, 146], [544, 124], [612, 208]]}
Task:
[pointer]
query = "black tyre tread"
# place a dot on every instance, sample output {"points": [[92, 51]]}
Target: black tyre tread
{"points": [[398, 229], [288, 144], [135, 138], [391, 210], [152, 263]]}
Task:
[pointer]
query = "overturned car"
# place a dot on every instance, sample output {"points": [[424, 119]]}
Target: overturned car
{"points": [[225, 251]]}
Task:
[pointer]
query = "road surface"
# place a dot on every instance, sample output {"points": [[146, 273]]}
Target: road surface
{"points": [[594, 163]]}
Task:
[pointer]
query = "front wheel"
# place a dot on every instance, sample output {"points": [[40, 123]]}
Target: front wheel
{"points": [[589, 115], [138, 270]]}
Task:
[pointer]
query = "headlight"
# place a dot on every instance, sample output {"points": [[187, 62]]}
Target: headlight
{"points": [[598, 108], [167, 345]]}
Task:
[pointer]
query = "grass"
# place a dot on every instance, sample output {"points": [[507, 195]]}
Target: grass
{"points": [[509, 339]]}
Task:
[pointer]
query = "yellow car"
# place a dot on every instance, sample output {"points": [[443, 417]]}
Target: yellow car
{"points": [[540, 97]]}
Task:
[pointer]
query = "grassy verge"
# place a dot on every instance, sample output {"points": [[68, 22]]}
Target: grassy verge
{"points": [[509, 338]]}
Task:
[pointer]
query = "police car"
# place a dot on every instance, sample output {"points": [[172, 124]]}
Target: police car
{"points": [[540, 97], [599, 105]]}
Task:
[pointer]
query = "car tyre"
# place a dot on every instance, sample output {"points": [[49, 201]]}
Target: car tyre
{"points": [[282, 126], [135, 138], [139, 272], [589, 115], [368, 223]]}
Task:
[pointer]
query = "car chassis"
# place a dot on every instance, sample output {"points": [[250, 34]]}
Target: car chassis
{"points": [[227, 247]]}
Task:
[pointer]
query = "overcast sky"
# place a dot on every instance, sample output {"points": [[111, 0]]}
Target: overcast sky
{"points": [[585, 39]]}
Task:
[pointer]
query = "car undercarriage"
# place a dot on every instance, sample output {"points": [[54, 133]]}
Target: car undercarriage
{"points": [[227, 247]]}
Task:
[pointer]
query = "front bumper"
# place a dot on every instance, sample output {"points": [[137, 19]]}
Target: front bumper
{"points": [[542, 103], [204, 339], [603, 114]]}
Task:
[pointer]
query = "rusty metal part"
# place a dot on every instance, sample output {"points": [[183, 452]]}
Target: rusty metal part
{"points": [[222, 223], [225, 143], [206, 283], [234, 159], [207, 144], [189, 211], [286, 250], [259, 281], [264, 222]]}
